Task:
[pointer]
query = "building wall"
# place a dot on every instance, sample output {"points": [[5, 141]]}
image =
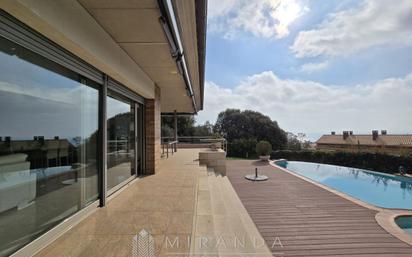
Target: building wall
{"points": [[69, 25], [366, 149], [153, 128]]}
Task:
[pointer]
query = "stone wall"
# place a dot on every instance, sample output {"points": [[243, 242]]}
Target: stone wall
{"points": [[214, 159], [153, 126]]}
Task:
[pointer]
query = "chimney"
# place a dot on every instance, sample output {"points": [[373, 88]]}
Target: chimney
{"points": [[1, 139], [375, 134], [351, 133], [333, 133], [56, 138], [384, 132], [345, 135], [35, 138], [7, 139], [41, 139]]}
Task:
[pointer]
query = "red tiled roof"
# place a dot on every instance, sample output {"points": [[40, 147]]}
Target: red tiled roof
{"points": [[387, 140]]}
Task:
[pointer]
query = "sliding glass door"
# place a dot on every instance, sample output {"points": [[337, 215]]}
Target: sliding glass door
{"points": [[57, 114], [121, 140], [48, 144]]}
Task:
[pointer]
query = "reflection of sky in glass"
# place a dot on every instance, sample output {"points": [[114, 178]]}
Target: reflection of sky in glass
{"points": [[379, 189], [27, 76], [37, 102], [115, 107]]}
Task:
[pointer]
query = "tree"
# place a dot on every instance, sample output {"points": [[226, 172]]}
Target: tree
{"points": [[203, 130], [301, 137], [244, 127], [293, 142], [185, 127], [166, 131]]}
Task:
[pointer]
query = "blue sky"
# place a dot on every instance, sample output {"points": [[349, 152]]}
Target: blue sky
{"points": [[314, 66]]}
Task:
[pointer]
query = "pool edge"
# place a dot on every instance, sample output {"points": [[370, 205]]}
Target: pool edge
{"points": [[385, 217]]}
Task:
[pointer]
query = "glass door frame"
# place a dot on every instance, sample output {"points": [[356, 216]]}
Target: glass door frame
{"points": [[139, 135], [14, 30]]}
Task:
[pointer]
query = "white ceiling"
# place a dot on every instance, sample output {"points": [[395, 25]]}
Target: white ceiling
{"points": [[135, 26]]}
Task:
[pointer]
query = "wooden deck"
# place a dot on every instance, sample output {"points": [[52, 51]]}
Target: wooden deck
{"points": [[308, 220]]}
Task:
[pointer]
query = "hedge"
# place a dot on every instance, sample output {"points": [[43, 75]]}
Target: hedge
{"points": [[370, 161], [243, 148]]}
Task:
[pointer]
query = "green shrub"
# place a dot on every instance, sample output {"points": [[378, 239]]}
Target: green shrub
{"points": [[244, 148], [263, 148], [370, 161]]}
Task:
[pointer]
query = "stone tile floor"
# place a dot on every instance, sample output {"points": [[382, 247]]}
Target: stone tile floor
{"points": [[190, 210], [162, 204]]}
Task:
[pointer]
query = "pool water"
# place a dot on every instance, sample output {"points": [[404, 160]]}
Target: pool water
{"points": [[405, 223], [379, 189]]}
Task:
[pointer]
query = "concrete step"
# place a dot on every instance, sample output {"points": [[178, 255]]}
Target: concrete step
{"points": [[221, 216], [210, 171]]}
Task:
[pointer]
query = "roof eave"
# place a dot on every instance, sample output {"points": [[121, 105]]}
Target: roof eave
{"points": [[201, 27]]}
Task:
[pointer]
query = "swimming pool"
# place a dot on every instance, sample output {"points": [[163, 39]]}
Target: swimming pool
{"points": [[405, 222], [379, 189]]}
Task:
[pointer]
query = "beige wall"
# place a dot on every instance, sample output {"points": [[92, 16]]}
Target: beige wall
{"points": [[68, 24]]}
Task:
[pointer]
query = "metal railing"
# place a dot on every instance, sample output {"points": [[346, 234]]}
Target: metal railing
{"points": [[217, 142], [169, 145], [201, 141]]}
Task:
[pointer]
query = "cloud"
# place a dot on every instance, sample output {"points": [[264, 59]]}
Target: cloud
{"points": [[264, 18], [218, 8], [371, 23], [313, 67], [307, 106]]}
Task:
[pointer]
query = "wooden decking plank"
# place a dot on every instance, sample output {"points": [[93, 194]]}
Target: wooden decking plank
{"points": [[307, 219]]}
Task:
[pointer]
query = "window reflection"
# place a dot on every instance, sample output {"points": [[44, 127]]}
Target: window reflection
{"points": [[48, 145], [120, 140]]}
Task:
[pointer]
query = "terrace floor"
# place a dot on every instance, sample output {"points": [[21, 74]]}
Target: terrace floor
{"points": [[298, 218], [183, 201], [162, 204]]}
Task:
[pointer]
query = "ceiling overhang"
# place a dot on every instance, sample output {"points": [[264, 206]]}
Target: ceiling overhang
{"points": [[136, 28]]}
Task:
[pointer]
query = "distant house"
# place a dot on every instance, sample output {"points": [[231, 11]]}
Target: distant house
{"points": [[372, 143]]}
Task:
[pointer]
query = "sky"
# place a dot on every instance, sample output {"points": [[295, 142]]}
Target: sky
{"points": [[313, 66]]}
